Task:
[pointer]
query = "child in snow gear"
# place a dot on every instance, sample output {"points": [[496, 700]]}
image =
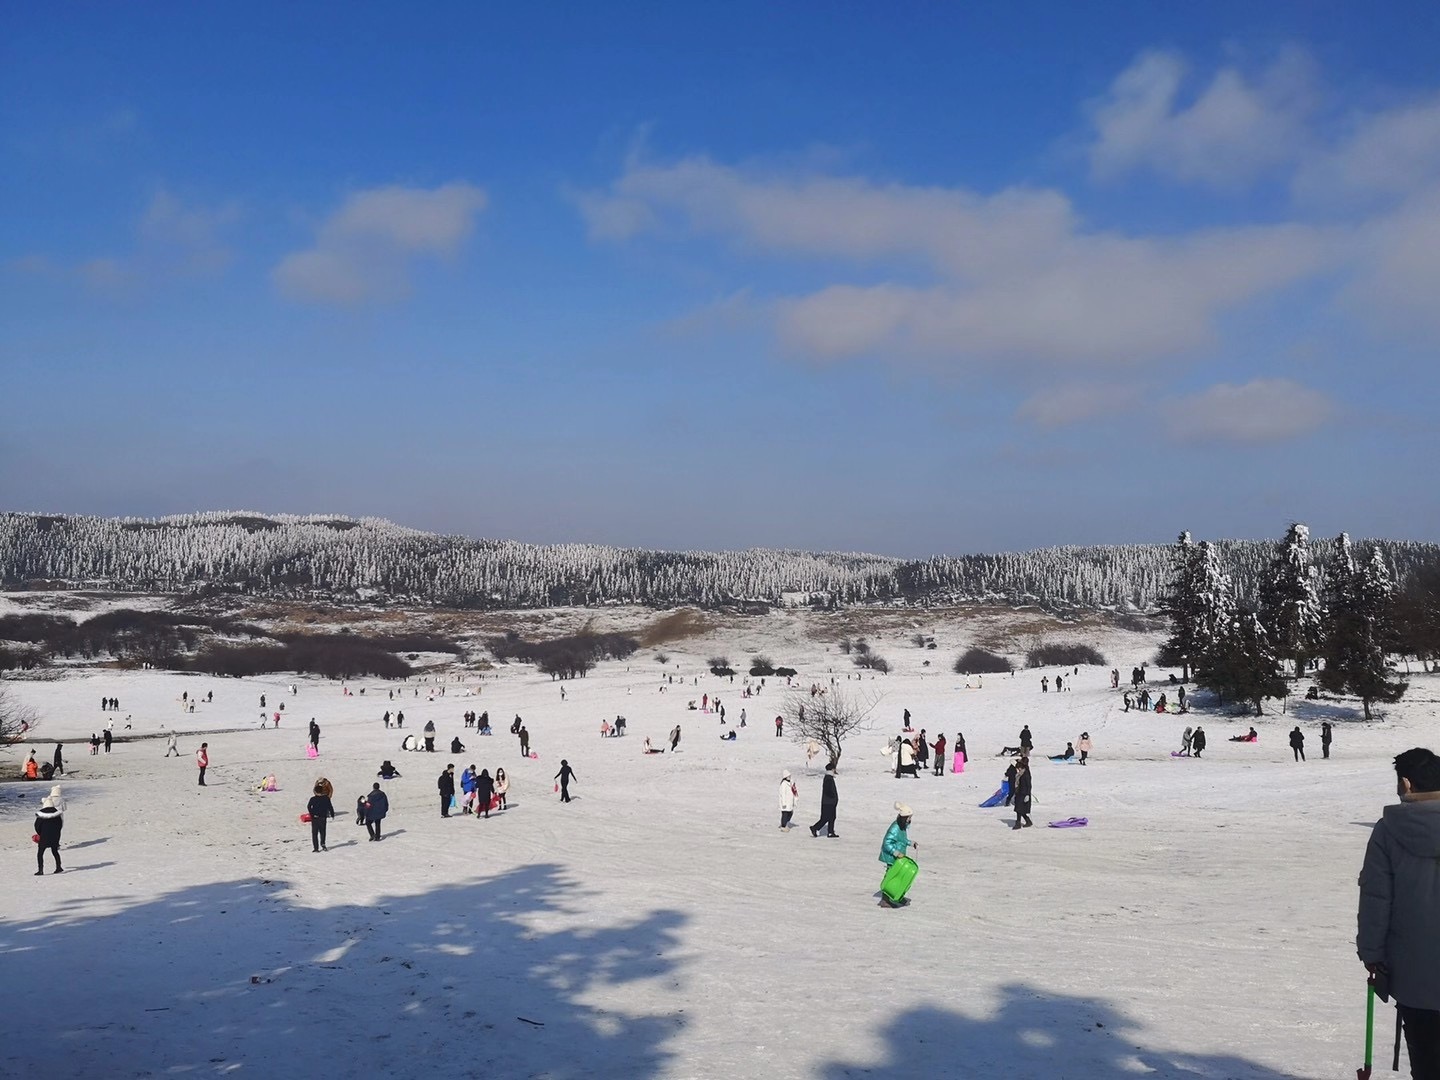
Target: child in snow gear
{"points": [[502, 786], [49, 823]]}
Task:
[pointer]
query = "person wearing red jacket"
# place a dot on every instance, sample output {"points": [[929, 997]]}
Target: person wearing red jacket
{"points": [[202, 760]]}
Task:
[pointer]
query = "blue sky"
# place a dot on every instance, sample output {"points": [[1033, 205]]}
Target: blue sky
{"points": [[898, 278]]}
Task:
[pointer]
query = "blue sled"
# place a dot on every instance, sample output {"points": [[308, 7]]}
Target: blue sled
{"points": [[998, 797]]}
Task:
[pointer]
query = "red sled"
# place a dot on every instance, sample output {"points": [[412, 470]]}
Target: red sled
{"points": [[304, 818]]}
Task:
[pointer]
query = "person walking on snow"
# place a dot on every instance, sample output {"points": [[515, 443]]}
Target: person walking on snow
{"points": [[1022, 794], [1083, 746], [171, 747], [1297, 742], [788, 795], [922, 751], [565, 775], [829, 803], [1185, 742], [961, 754], [524, 741], [376, 807], [1197, 741], [59, 759], [779, 726], [1027, 743], [109, 735], [202, 760], [446, 784], [484, 793], [897, 843], [49, 823], [321, 810], [674, 737], [1399, 933], [940, 754], [502, 786]]}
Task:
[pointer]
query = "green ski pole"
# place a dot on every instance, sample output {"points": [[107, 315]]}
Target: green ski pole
{"points": [[1364, 1074]]}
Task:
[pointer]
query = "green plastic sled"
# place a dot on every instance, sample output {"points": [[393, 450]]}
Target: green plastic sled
{"points": [[899, 878]]}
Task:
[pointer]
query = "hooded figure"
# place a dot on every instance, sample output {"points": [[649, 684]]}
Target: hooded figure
{"points": [[321, 810], [48, 824], [788, 795]]}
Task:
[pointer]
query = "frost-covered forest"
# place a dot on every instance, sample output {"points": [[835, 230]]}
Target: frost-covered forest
{"points": [[293, 556]]}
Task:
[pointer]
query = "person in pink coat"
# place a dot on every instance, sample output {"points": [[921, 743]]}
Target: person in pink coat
{"points": [[959, 765], [202, 760]]}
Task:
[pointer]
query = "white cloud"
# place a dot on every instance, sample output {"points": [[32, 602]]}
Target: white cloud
{"points": [[364, 250], [1264, 410], [1061, 406], [1015, 276], [1235, 129], [1388, 153]]}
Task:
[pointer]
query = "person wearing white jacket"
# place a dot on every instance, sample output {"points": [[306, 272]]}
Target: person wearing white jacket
{"points": [[788, 794]]}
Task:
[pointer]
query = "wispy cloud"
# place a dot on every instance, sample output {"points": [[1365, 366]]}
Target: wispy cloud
{"points": [[365, 249], [1234, 129], [1261, 411], [174, 240]]}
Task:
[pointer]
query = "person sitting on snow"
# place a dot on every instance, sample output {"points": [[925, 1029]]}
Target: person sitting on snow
{"points": [[387, 771], [1067, 755]]}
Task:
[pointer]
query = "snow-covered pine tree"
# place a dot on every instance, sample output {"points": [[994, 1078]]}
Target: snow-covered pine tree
{"points": [[1359, 628], [1242, 665], [1181, 604], [1290, 610]]}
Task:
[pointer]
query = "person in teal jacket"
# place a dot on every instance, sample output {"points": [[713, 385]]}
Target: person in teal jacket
{"points": [[897, 842]]}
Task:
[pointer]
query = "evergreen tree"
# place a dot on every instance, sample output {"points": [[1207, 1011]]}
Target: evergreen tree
{"points": [[1241, 666], [1289, 604], [1182, 604], [1359, 630]]}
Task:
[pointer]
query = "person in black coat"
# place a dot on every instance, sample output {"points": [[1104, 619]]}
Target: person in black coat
{"points": [[1010, 781], [456, 746], [1197, 741], [1325, 739], [565, 775], [1026, 742], [1022, 794], [829, 802], [387, 771], [321, 810], [429, 736], [49, 823], [314, 734], [446, 784], [484, 793], [59, 759], [376, 807], [1297, 742]]}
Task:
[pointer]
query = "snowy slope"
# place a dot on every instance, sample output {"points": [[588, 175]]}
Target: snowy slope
{"points": [[661, 925]]}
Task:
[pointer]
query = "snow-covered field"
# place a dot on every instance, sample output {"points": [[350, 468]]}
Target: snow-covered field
{"points": [[661, 925]]}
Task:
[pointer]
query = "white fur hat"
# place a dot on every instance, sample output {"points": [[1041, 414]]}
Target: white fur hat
{"points": [[903, 810], [47, 803]]}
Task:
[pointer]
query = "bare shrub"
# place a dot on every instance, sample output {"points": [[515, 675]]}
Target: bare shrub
{"points": [[1064, 656], [871, 662], [16, 720], [761, 664], [982, 662]]}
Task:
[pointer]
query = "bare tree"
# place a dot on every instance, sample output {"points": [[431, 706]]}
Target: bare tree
{"points": [[829, 718], [16, 720]]}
